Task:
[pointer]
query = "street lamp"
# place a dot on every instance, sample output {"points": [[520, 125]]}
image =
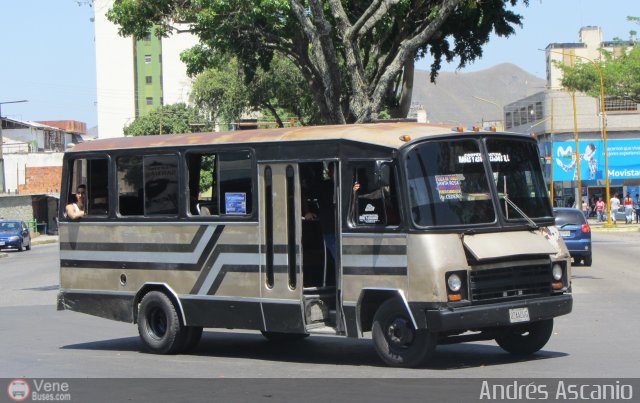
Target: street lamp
{"points": [[2, 184], [604, 128], [500, 111]]}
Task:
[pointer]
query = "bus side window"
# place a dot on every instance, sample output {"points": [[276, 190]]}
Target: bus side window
{"points": [[235, 182], [91, 175], [373, 203], [203, 194], [148, 185]]}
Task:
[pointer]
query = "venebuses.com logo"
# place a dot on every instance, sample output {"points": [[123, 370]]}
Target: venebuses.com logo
{"points": [[19, 390]]}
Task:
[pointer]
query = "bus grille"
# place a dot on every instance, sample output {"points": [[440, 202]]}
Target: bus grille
{"points": [[509, 283]]}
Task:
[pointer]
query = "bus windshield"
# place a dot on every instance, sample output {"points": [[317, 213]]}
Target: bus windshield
{"points": [[449, 186], [518, 178]]}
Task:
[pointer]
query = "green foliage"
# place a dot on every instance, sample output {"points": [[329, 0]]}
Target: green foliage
{"points": [[620, 71], [168, 119], [226, 93], [621, 76], [349, 54]]}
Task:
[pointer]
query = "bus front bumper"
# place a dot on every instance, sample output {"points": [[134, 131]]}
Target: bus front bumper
{"points": [[496, 315]]}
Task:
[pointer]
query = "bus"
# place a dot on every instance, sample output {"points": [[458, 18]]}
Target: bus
{"points": [[410, 234]]}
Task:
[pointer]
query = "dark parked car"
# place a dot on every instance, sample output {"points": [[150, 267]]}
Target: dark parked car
{"points": [[14, 234], [576, 233]]}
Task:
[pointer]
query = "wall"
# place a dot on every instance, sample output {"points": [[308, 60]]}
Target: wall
{"points": [[15, 164], [41, 180], [16, 207]]}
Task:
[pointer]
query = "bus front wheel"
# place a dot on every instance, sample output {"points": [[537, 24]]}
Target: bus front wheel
{"points": [[525, 340], [159, 325], [396, 341]]}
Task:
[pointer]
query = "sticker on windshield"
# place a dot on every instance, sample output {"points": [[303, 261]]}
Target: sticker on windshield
{"points": [[449, 186], [472, 158]]}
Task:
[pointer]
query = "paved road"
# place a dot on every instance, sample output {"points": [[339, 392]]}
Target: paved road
{"points": [[599, 339]]}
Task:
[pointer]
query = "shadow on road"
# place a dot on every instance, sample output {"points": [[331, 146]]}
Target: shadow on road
{"points": [[324, 350]]}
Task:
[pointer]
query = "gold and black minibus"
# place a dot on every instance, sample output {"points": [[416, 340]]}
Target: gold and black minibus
{"points": [[412, 234]]}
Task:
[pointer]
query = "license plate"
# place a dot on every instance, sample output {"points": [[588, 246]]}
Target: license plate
{"points": [[517, 315], [1, 243], [565, 234]]}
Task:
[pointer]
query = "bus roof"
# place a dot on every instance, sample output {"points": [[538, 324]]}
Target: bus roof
{"points": [[382, 134]]}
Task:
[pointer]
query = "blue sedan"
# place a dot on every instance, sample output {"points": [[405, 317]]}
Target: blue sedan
{"points": [[576, 233], [14, 234]]}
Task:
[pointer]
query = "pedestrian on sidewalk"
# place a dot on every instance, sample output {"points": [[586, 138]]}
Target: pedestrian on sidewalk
{"points": [[628, 209], [600, 206], [614, 205], [585, 209], [637, 207]]}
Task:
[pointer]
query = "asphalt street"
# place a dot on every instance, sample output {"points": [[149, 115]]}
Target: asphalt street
{"points": [[599, 339]]}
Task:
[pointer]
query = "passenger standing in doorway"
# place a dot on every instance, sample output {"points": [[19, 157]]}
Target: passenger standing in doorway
{"points": [[614, 204], [600, 206], [326, 210], [628, 209]]}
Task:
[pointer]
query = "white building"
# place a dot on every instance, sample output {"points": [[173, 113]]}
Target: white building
{"points": [[130, 81]]}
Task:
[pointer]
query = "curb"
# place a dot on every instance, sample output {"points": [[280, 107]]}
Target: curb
{"points": [[616, 229], [44, 242]]}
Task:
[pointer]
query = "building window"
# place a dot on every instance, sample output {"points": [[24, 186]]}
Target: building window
{"points": [[539, 111], [508, 124], [147, 59], [149, 79], [149, 101]]}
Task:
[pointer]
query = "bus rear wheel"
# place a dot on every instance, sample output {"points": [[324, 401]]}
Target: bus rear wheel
{"points": [[525, 340], [396, 341], [159, 324]]}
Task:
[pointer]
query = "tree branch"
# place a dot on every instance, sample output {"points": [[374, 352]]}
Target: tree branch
{"points": [[371, 16]]}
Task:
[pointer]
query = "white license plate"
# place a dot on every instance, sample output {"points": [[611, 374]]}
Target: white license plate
{"points": [[565, 234], [517, 315], [1, 243]]}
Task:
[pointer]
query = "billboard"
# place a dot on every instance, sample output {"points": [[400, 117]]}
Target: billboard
{"points": [[624, 160]]}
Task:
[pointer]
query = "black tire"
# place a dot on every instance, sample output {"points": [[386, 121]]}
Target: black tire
{"points": [[20, 247], [278, 337], [28, 247], [587, 260], [576, 261], [396, 341], [192, 338], [159, 324], [526, 339]]}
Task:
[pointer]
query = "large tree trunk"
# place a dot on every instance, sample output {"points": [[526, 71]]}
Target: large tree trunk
{"points": [[406, 90]]}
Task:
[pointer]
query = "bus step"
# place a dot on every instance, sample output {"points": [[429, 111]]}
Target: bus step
{"points": [[321, 330]]}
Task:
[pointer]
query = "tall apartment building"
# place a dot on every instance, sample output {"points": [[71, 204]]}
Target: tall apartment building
{"points": [[135, 75]]}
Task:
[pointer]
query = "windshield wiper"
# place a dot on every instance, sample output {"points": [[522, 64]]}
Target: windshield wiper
{"points": [[532, 224]]}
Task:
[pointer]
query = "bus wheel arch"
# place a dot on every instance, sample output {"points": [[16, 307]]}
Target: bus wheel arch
{"points": [[163, 288], [161, 321], [371, 299]]}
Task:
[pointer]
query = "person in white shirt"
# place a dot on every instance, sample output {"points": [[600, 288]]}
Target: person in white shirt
{"points": [[615, 205]]}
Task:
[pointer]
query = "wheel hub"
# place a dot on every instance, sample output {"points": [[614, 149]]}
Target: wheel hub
{"points": [[399, 332]]}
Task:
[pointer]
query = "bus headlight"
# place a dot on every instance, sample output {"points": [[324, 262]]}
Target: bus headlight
{"points": [[454, 282], [556, 271]]}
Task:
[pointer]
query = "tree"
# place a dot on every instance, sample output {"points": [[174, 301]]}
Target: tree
{"points": [[620, 70], [225, 93], [356, 56], [177, 118]]}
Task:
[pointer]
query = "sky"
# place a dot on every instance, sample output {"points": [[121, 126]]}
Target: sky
{"points": [[47, 50]]}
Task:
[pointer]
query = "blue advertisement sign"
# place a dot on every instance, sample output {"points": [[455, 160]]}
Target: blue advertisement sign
{"points": [[235, 203], [624, 160]]}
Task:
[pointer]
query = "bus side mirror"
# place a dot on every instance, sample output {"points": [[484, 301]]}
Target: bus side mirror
{"points": [[383, 174]]}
